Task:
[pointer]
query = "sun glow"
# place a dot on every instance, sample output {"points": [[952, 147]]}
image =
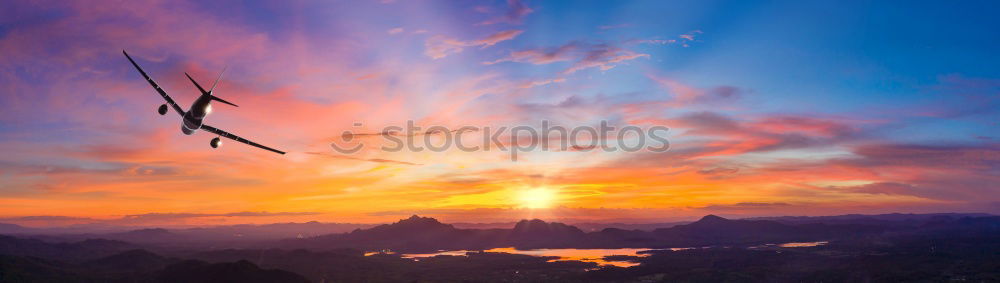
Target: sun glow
{"points": [[537, 197]]}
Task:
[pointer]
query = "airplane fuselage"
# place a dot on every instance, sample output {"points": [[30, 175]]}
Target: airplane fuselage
{"points": [[196, 114], [192, 119]]}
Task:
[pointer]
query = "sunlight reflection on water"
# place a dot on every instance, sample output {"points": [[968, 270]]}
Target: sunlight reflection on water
{"points": [[789, 245], [593, 255], [585, 255], [803, 244]]}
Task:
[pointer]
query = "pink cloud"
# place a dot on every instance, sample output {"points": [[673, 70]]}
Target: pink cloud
{"points": [[686, 95], [539, 56], [584, 56], [604, 58], [690, 35], [440, 46]]}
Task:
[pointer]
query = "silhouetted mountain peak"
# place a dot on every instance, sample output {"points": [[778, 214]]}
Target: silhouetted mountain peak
{"points": [[149, 232], [414, 224], [419, 221], [11, 228], [711, 218], [537, 226], [718, 229], [529, 223]]}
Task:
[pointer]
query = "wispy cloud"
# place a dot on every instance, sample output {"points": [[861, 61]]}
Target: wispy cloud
{"points": [[395, 30], [684, 40], [540, 56], [516, 11], [145, 219], [686, 95], [605, 58], [44, 218], [441, 46], [746, 206], [584, 56], [348, 157], [171, 216], [350, 135]]}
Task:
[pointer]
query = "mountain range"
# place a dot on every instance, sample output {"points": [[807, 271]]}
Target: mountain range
{"points": [[421, 234], [862, 248]]}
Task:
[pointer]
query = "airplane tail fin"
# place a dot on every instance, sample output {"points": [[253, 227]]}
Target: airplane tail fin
{"points": [[196, 84], [209, 92], [216, 98], [217, 83]]}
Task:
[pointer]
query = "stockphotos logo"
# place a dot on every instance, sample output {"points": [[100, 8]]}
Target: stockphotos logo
{"points": [[515, 140]]}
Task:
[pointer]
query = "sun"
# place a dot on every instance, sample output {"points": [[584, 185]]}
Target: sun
{"points": [[537, 198]]}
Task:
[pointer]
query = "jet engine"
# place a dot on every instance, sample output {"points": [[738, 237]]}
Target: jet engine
{"points": [[216, 143], [162, 110]]}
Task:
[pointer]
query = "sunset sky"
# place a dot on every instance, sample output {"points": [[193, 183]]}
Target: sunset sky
{"points": [[774, 108]]}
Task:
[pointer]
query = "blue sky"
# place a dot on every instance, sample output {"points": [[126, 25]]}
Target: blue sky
{"points": [[794, 107]]}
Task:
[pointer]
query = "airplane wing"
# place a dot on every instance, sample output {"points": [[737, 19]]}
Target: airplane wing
{"points": [[155, 86], [236, 138]]}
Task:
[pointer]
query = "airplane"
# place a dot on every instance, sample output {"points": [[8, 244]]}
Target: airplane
{"points": [[192, 120]]}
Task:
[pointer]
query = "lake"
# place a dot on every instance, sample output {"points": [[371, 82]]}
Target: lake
{"points": [[586, 255], [594, 255], [803, 244]]}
